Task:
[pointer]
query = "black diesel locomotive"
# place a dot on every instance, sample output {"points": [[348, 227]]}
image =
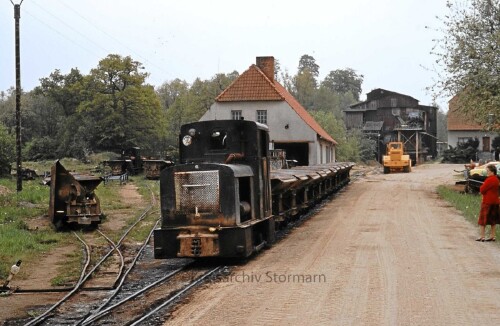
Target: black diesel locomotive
{"points": [[223, 200]]}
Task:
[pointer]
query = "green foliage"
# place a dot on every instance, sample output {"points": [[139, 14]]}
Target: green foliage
{"points": [[442, 126], [7, 109], [325, 103], [65, 90], [347, 143], [469, 53], [122, 110], [76, 115], [170, 91], [367, 147], [308, 63], [305, 83], [7, 150], [43, 148], [468, 204], [183, 104], [17, 241], [344, 81]]}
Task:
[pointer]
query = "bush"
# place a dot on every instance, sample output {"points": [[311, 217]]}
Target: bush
{"points": [[7, 150], [40, 149]]}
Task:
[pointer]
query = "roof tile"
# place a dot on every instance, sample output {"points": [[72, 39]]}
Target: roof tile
{"points": [[253, 85], [457, 121]]}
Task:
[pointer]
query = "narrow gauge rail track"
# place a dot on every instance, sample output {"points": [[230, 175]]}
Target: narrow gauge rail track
{"points": [[140, 305], [143, 306], [51, 315]]}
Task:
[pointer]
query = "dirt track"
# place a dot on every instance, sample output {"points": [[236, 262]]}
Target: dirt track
{"points": [[386, 251]]}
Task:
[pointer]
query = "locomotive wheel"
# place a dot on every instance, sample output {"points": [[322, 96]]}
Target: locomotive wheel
{"points": [[386, 170]]}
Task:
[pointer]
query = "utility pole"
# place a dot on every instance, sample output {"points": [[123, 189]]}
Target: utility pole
{"points": [[17, 16]]}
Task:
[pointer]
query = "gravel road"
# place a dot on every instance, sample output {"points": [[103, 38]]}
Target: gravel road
{"points": [[384, 251]]}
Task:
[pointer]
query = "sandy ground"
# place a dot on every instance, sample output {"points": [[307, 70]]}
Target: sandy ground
{"points": [[39, 276], [385, 251]]}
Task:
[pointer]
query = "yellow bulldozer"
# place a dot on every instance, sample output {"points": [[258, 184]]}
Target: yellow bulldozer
{"points": [[396, 160]]}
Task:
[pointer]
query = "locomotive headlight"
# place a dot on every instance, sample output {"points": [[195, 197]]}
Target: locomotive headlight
{"points": [[192, 132], [187, 140]]}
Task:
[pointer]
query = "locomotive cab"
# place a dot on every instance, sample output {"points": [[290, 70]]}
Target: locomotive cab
{"points": [[217, 201]]}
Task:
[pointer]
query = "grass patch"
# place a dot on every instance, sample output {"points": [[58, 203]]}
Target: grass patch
{"points": [[147, 188], [69, 271], [468, 204], [109, 196], [16, 208], [17, 243], [19, 210]]}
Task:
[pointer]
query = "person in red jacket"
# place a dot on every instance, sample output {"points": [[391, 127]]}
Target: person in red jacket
{"points": [[489, 213]]}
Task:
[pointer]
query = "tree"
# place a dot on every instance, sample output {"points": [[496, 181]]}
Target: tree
{"points": [[305, 83], [7, 150], [308, 63], [7, 109], [191, 103], [469, 53], [348, 147], [120, 109], [170, 91], [62, 89], [442, 125], [344, 81]]}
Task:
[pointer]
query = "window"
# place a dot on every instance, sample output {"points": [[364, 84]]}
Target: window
{"points": [[394, 102], [236, 114], [218, 139], [262, 116]]}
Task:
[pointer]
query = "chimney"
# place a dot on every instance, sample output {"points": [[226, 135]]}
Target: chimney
{"points": [[266, 64]]}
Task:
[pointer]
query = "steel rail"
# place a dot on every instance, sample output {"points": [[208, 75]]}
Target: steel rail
{"points": [[42, 317], [176, 296], [122, 261], [83, 278], [91, 317]]}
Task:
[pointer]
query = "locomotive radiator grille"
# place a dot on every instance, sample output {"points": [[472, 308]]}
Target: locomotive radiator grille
{"points": [[197, 192]]}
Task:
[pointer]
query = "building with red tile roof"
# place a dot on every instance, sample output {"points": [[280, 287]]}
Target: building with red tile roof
{"points": [[256, 95], [462, 128]]}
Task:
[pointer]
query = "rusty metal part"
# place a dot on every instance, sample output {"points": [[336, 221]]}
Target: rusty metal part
{"points": [[72, 197], [204, 244], [153, 168], [234, 156], [224, 197]]}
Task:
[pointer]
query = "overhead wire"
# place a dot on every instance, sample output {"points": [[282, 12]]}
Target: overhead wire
{"points": [[94, 25], [59, 33], [69, 26]]}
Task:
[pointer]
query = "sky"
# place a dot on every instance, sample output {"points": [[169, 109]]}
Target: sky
{"points": [[386, 41]]}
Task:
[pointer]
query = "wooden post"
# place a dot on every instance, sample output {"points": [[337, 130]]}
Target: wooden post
{"points": [[17, 16]]}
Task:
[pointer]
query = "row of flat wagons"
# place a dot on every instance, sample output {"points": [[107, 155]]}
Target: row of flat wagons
{"points": [[225, 198], [299, 187]]}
